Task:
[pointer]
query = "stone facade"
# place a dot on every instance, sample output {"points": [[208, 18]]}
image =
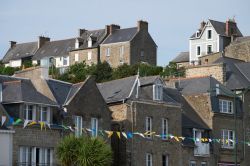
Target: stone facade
{"points": [[90, 56], [218, 71], [209, 59], [239, 50]]}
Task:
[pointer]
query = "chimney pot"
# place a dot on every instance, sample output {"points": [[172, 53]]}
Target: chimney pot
{"points": [[81, 31], [42, 40], [231, 27], [142, 25], [12, 44], [113, 27]]}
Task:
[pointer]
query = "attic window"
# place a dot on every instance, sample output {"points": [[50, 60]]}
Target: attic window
{"points": [[89, 42], [157, 92], [197, 33]]}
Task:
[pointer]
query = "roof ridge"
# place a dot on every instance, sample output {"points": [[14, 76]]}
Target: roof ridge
{"points": [[116, 79], [60, 81]]}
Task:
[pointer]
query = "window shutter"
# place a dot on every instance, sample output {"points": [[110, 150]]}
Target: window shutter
{"points": [[215, 104], [154, 92]]}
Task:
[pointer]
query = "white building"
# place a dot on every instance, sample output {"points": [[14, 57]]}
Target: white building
{"points": [[211, 37]]}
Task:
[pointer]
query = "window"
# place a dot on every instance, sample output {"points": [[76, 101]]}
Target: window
{"points": [[164, 160], [76, 57], [225, 106], [227, 138], [198, 50], [89, 55], [209, 49], [122, 54], [157, 92], [209, 34], [204, 163], [164, 129], [107, 51], [35, 156], [94, 127], [76, 44], [192, 163], [197, 135], [142, 53], [149, 160], [89, 42], [148, 126], [29, 112], [44, 114], [78, 126], [1, 92], [65, 61]]}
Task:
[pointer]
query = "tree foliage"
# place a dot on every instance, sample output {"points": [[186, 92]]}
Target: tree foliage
{"points": [[84, 151], [171, 70]]}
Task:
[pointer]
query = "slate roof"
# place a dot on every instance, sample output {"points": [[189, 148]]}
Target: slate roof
{"points": [[97, 38], [182, 57], [190, 119], [121, 35], [56, 48], [220, 28], [19, 51], [73, 90], [22, 90]]}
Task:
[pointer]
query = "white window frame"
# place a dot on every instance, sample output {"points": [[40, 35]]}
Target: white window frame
{"points": [[121, 54], [166, 159], [164, 126], [78, 125], [208, 34], [76, 57], [142, 53], [227, 141], [211, 48], [148, 126], [226, 106], [1, 92], [193, 163], [94, 127], [89, 42], [157, 92], [197, 134], [48, 114], [108, 51], [203, 163], [26, 113], [197, 50], [149, 159], [65, 59], [89, 55]]}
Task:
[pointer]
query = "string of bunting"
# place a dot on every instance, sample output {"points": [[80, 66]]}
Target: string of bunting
{"points": [[119, 134]]}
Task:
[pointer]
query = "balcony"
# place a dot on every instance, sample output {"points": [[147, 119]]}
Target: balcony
{"points": [[202, 149]]}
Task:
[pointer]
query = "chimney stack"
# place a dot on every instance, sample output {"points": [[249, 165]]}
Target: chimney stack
{"points": [[203, 23], [107, 29], [142, 25], [81, 31], [113, 27], [42, 40], [231, 27], [12, 44]]}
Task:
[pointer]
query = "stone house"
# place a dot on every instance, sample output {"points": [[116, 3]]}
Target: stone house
{"points": [[212, 36], [129, 45], [140, 104], [33, 97], [182, 60], [215, 107]]}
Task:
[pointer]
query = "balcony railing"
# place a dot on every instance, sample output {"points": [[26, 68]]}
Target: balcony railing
{"points": [[202, 149]]}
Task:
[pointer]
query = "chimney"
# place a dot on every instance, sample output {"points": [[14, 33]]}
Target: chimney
{"points": [[113, 27], [107, 29], [12, 44], [203, 23], [81, 31], [231, 27], [42, 40], [142, 25]]}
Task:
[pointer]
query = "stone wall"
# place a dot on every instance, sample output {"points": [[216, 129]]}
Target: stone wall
{"points": [[83, 56], [218, 71], [239, 50], [210, 58]]}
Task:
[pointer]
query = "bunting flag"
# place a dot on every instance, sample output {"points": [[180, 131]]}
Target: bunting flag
{"points": [[110, 133], [49, 125], [3, 119], [42, 124], [18, 121], [89, 130], [71, 129], [101, 132], [124, 135], [140, 134], [32, 123], [129, 135], [11, 121], [118, 134], [177, 139], [26, 122], [65, 127]]}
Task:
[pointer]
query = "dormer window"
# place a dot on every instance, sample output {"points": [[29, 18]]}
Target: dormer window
{"points": [[197, 33], [77, 44], [157, 92], [226, 106], [209, 34], [89, 42]]}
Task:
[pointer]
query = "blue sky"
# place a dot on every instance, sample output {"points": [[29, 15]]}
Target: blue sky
{"points": [[171, 23]]}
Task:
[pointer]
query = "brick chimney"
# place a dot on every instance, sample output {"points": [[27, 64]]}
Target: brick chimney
{"points": [[81, 31], [203, 23], [107, 29], [113, 27], [42, 40], [12, 44], [231, 27], [142, 25]]}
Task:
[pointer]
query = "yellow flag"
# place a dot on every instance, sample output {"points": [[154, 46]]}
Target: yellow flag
{"points": [[42, 124], [32, 123], [118, 134], [110, 133], [125, 135], [177, 139]]}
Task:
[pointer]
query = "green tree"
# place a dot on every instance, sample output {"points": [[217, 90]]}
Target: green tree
{"points": [[172, 71], [102, 72], [84, 151], [123, 71]]}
